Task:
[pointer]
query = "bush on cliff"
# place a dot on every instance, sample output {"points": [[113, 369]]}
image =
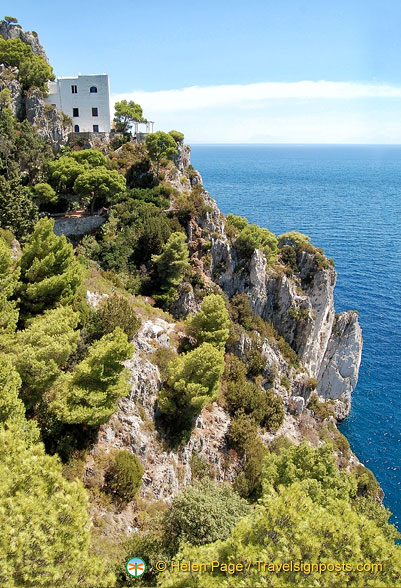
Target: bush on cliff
{"points": [[124, 476], [253, 237], [307, 513], [203, 513], [210, 325], [34, 71]]}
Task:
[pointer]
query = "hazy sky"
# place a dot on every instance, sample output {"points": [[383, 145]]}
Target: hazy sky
{"points": [[304, 71]]}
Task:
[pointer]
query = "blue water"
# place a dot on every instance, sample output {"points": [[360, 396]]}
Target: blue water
{"points": [[348, 199]]}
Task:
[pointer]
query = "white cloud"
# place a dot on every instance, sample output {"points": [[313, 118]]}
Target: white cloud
{"points": [[277, 112], [199, 98]]}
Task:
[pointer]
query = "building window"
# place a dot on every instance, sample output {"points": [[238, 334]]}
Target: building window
{"points": [[74, 89], [75, 112], [94, 111], [93, 90], [95, 128], [76, 129]]}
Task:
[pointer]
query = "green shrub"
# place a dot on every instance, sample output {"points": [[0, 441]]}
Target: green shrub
{"points": [[311, 384], [203, 513], [243, 429], [248, 483], [200, 468], [321, 410], [285, 382], [210, 325], [237, 222], [368, 486], [117, 311], [177, 136], [292, 238], [124, 476], [253, 237]]}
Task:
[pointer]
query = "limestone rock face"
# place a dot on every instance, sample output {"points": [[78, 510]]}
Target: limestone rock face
{"points": [[132, 427], [186, 302], [12, 31], [339, 370], [183, 158], [48, 120], [302, 311]]}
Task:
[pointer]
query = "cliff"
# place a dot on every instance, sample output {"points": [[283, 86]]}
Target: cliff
{"points": [[51, 124], [328, 347]]}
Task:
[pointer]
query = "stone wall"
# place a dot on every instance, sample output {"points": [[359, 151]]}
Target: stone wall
{"points": [[76, 226]]}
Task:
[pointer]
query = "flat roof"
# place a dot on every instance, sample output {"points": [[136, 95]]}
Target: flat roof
{"points": [[80, 76]]}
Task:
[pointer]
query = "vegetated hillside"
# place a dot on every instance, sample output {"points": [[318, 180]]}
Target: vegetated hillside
{"points": [[165, 372]]}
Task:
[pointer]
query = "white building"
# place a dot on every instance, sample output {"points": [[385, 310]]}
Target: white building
{"points": [[86, 99]]}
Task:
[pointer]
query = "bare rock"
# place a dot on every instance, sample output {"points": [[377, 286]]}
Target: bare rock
{"points": [[340, 367], [50, 122]]}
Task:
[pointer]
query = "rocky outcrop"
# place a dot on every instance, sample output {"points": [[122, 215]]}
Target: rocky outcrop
{"points": [[12, 31], [51, 123], [183, 158], [301, 308], [339, 370], [132, 427]]}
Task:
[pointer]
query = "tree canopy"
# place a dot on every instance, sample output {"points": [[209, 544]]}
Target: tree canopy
{"points": [[193, 380], [89, 394], [126, 113], [160, 145], [307, 515], [50, 273], [210, 325], [34, 71]]}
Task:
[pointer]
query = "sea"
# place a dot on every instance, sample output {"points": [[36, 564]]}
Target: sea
{"points": [[347, 198]]}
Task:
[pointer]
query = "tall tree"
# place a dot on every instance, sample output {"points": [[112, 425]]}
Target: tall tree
{"points": [[171, 265], [160, 145], [41, 348], [193, 380], [50, 273], [98, 182], [89, 394], [45, 531], [125, 114], [18, 213], [210, 325], [8, 282]]}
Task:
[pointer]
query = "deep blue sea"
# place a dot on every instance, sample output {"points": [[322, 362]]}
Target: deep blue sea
{"points": [[348, 199]]}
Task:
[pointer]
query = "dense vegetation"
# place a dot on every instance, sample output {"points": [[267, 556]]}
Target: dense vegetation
{"points": [[62, 375]]}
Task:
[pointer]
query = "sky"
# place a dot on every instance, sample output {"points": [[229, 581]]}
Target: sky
{"points": [[260, 71]]}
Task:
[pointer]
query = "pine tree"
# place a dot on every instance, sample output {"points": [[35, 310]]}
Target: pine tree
{"points": [[41, 348], [12, 410], [8, 281], [18, 213], [210, 325], [193, 380], [89, 394], [45, 538], [171, 265], [50, 273]]}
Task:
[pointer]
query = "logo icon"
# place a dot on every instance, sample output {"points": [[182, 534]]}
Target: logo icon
{"points": [[136, 567]]}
